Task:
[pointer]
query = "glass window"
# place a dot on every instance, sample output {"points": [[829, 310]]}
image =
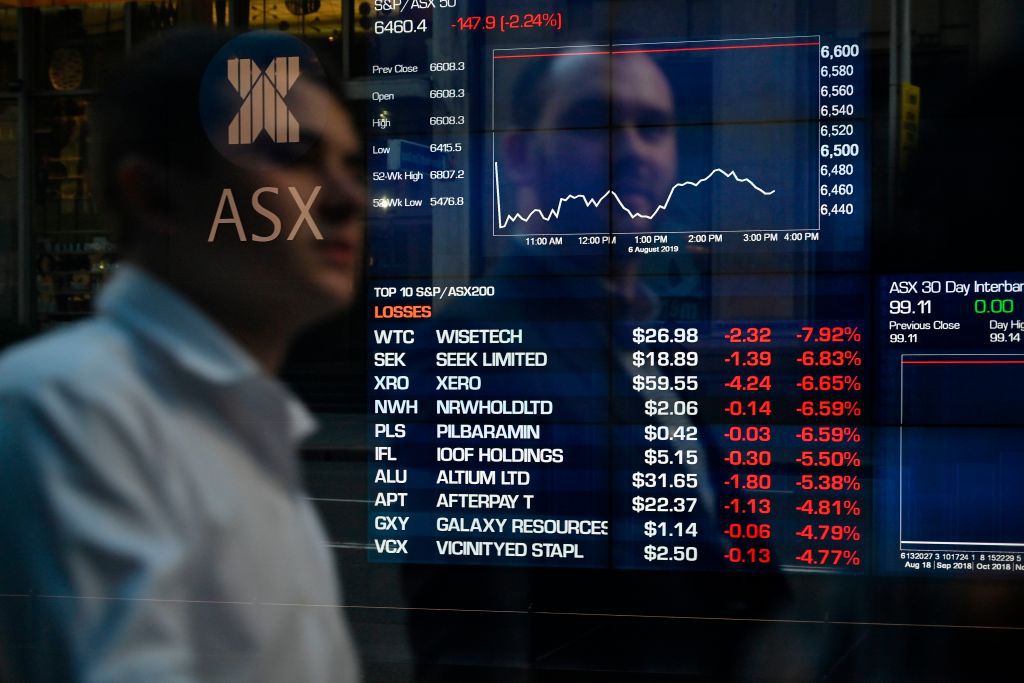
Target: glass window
{"points": [[73, 246], [8, 47], [78, 45], [8, 210], [153, 18], [312, 19]]}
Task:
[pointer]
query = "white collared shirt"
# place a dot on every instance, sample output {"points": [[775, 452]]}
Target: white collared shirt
{"points": [[153, 522]]}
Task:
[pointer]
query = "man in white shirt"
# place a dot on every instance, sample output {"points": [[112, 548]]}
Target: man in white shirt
{"points": [[153, 520]]}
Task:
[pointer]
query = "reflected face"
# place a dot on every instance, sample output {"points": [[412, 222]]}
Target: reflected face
{"points": [[608, 120], [327, 268]]}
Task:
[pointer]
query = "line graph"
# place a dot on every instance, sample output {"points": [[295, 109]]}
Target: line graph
{"points": [[576, 148], [505, 219]]}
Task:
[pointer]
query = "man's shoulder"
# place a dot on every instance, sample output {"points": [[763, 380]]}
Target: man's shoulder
{"points": [[83, 387], [83, 357]]}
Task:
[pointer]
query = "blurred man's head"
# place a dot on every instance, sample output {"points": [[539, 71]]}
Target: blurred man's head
{"points": [[590, 122], [183, 209]]}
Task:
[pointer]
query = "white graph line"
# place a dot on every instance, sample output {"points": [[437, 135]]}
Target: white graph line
{"points": [[554, 213]]}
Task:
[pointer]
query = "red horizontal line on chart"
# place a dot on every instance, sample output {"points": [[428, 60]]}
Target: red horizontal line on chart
{"points": [[963, 362], [655, 50]]}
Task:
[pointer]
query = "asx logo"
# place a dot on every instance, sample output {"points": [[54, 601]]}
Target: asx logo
{"points": [[227, 203], [263, 108], [251, 104]]}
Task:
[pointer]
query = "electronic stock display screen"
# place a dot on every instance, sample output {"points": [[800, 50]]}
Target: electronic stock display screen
{"points": [[626, 313]]}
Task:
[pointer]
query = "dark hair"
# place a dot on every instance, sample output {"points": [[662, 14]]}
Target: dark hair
{"points": [[530, 92], [532, 88], [150, 107]]}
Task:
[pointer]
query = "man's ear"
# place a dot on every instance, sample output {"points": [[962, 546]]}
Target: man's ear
{"points": [[145, 191]]}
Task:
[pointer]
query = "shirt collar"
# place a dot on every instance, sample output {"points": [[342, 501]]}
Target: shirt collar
{"points": [[196, 343]]}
